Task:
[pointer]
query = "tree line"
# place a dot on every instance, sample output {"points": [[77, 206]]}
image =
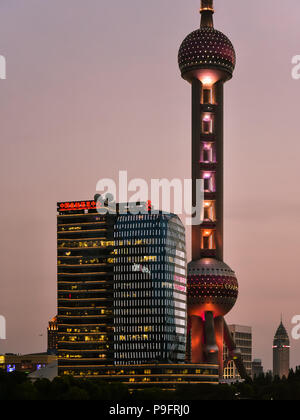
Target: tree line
{"points": [[17, 386]]}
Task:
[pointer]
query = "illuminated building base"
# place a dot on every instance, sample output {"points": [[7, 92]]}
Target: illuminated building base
{"points": [[165, 376]]}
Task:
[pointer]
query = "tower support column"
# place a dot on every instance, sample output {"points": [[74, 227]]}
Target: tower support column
{"points": [[219, 329], [219, 132], [196, 133], [211, 349], [197, 339]]}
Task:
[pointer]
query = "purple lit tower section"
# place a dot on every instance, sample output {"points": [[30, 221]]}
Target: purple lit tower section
{"points": [[207, 60]]}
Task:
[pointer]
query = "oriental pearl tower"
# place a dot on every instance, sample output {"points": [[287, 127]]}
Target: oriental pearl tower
{"points": [[207, 60]]}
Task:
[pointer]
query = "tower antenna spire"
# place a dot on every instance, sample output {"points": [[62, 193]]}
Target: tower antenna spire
{"points": [[207, 11]]}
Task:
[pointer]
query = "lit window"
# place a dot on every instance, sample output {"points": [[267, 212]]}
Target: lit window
{"points": [[209, 211], [207, 124], [208, 239], [207, 153], [207, 96], [209, 181]]}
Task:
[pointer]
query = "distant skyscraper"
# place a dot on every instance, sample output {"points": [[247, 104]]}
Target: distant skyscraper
{"points": [[52, 336], [257, 368], [281, 352], [149, 289], [242, 336]]}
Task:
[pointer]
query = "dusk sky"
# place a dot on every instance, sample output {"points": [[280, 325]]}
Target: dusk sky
{"points": [[93, 87]]}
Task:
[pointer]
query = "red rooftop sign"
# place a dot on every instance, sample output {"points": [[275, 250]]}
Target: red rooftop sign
{"points": [[78, 205]]}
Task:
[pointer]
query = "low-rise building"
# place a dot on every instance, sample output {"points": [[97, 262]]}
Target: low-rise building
{"points": [[26, 363]]}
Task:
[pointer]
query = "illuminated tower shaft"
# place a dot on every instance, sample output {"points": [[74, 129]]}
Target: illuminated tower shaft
{"points": [[207, 164]]}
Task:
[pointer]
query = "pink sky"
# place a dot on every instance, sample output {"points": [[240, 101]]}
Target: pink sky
{"points": [[93, 88]]}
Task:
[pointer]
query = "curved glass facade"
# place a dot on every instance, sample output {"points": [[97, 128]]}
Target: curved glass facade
{"points": [[149, 289]]}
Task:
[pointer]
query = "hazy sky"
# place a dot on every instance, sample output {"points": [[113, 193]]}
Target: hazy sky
{"points": [[93, 87]]}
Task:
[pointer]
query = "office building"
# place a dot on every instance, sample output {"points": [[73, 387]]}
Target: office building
{"points": [[85, 247], [257, 368], [149, 289], [121, 288], [242, 337]]}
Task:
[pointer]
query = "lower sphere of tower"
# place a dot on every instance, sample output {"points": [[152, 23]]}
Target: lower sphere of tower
{"points": [[212, 286]]}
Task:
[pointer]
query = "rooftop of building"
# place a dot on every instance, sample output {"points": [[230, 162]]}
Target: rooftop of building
{"points": [[240, 328], [281, 337]]}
